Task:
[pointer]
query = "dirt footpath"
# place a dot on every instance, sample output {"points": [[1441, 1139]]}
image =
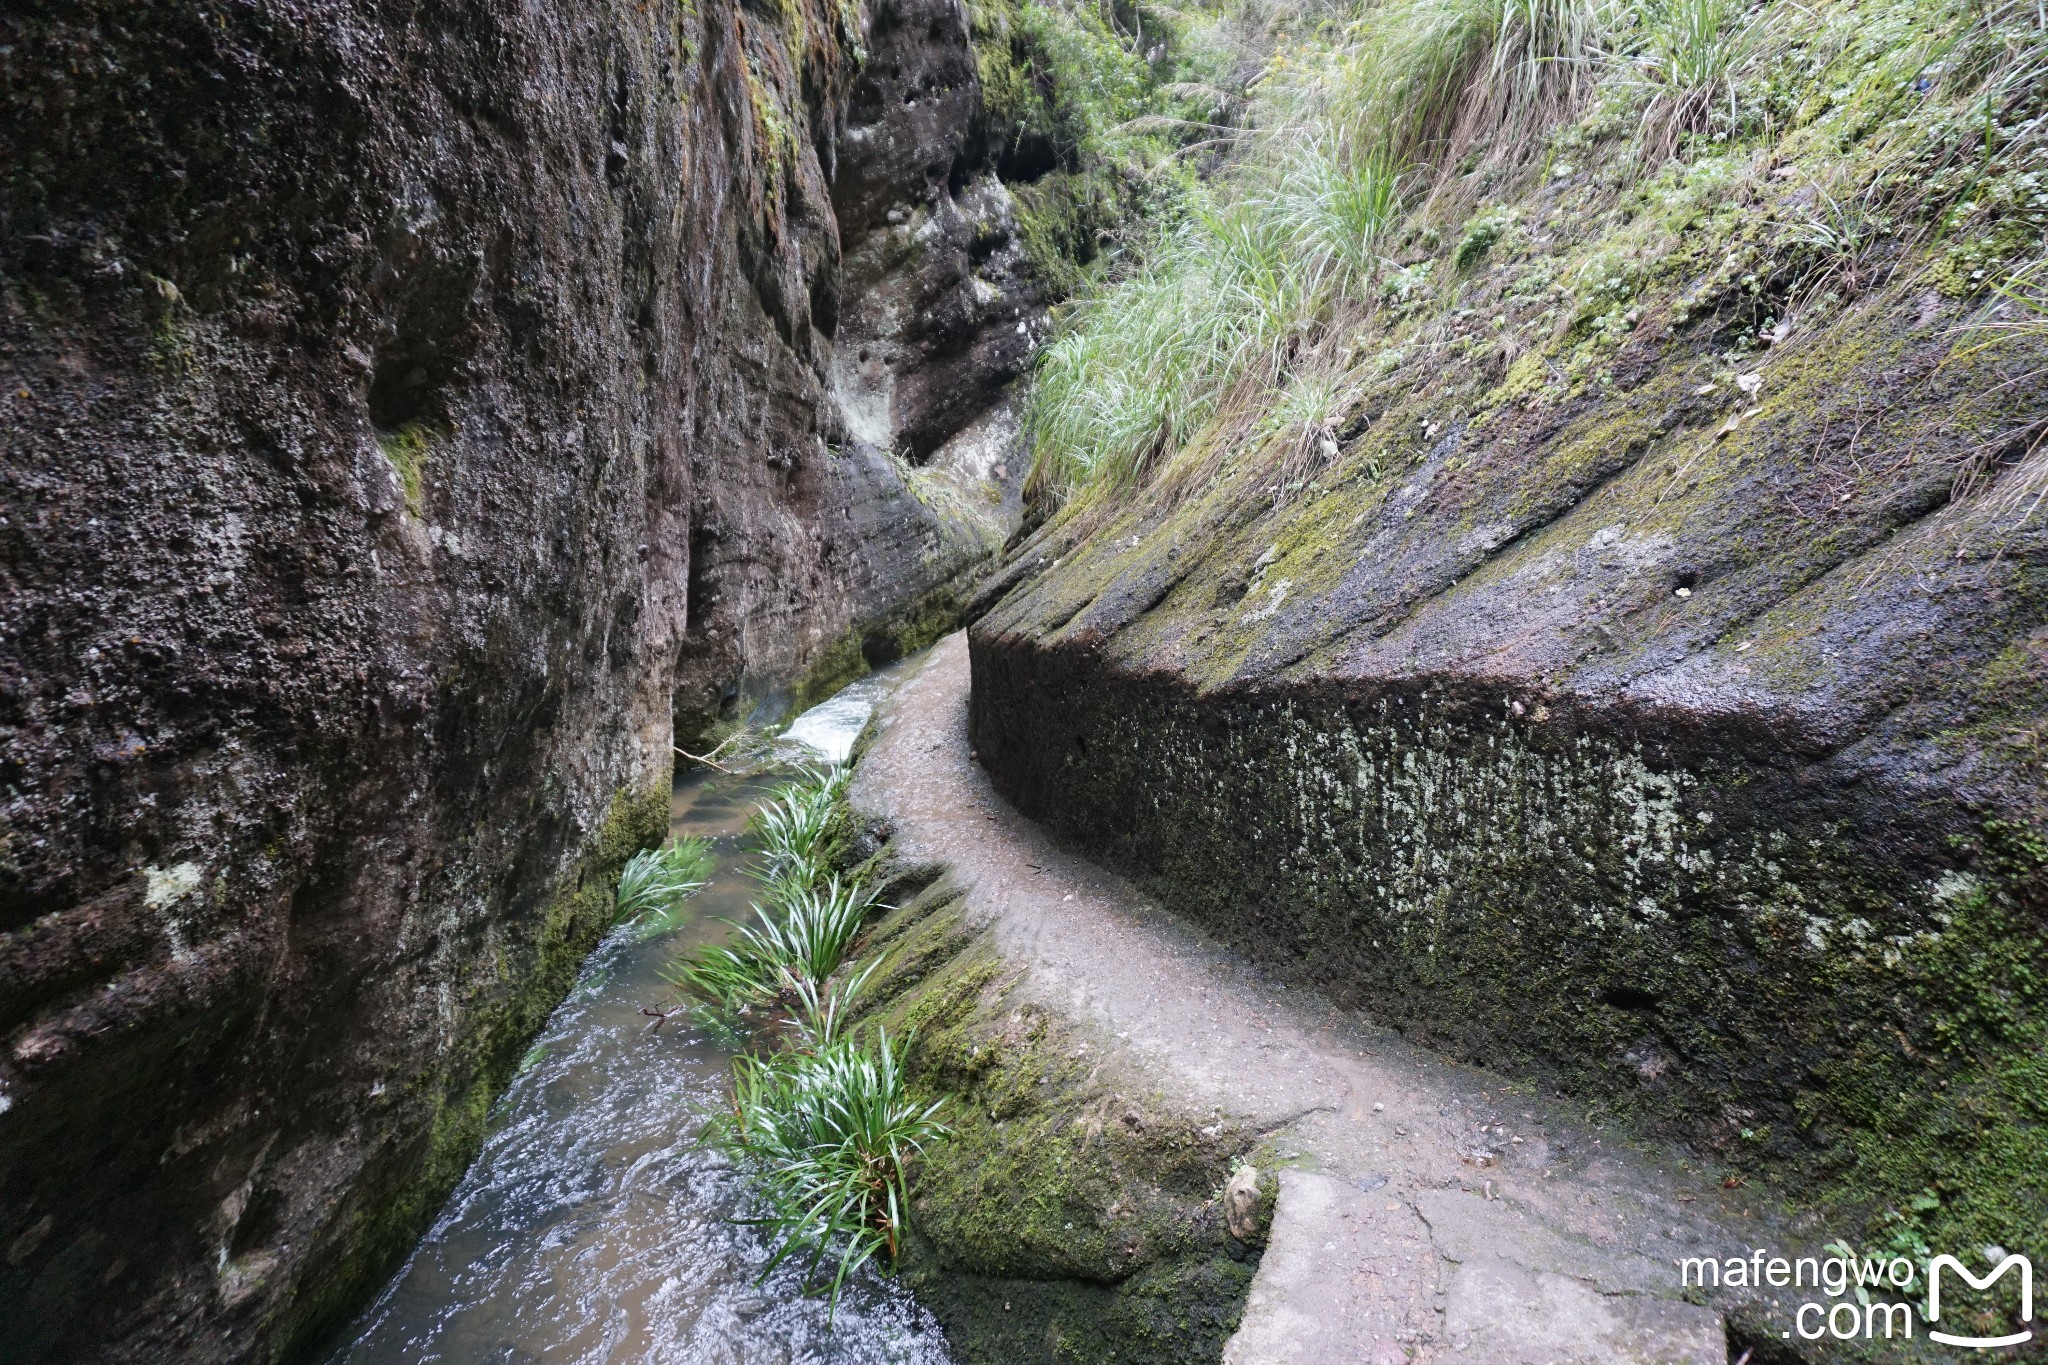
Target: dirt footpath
{"points": [[1427, 1210]]}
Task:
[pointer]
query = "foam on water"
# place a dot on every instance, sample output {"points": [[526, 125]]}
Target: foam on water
{"points": [[829, 729]]}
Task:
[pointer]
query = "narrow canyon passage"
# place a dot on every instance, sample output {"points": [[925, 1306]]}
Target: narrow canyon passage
{"points": [[1436, 613]]}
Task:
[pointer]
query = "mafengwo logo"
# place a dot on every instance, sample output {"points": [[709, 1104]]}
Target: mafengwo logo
{"points": [[1868, 1298], [2011, 1262]]}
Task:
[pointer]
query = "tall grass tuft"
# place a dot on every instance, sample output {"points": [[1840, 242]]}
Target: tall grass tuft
{"points": [[1217, 315], [1691, 57], [827, 1135], [1240, 301], [657, 881], [1431, 80]]}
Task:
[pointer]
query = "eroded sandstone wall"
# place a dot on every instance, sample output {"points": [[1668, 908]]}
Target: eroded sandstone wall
{"points": [[404, 408]]}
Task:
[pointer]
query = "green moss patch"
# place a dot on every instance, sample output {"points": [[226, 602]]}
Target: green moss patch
{"points": [[1070, 1215]]}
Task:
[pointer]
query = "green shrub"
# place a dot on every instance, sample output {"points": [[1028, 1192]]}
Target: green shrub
{"points": [[826, 1135], [822, 1124], [790, 823]]}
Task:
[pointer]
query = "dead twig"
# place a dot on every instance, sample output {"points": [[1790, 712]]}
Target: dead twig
{"points": [[709, 760]]}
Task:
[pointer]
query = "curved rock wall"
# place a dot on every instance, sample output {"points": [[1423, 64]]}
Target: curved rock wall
{"points": [[1611, 742], [405, 408]]}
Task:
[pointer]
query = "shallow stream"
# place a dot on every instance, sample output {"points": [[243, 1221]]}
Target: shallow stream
{"points": [[593, 1227]]}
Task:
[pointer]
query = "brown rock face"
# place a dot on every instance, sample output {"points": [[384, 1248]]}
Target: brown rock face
{"points": [[939, 312], [403, 408]]}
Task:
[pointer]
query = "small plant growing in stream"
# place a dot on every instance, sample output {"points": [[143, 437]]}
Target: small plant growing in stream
{"points": [[790, 823], [799, 938], [823, 1123], [817, 926], [827, 1134], [657, 881], [822, 1011]]}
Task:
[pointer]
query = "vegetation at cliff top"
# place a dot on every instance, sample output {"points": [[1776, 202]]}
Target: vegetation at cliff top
{"points": [[821, 1119], [1388, 153], [1103, 115]]}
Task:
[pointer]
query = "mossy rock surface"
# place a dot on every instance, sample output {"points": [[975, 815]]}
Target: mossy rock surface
{"points": [[1622, 734], [1071, 1214]]}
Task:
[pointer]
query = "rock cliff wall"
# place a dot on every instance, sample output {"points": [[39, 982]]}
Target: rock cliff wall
{"points": [[409, 410], [1674, 739]]}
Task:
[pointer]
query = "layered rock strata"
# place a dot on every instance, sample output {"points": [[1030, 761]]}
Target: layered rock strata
{"points": [[1639, 741]]}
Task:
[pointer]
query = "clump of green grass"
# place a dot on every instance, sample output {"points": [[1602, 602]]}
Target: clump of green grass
{"points": [[657, 881], [797, 940], [827, 1134], [791, 822], [1216, 318], [1691, 58], [1432, 80], [1238, 304], [823, 1121]]}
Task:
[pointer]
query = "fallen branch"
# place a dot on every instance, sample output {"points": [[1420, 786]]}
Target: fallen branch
{"points": [[709, 760]]}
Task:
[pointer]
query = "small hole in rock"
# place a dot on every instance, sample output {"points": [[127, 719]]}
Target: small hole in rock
{"points": [[1628, 998]]}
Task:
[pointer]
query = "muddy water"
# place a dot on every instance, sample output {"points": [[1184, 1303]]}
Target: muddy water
{"points": [[593, 1228]]}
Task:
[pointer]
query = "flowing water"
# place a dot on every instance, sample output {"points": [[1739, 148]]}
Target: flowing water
{"points": [[592, 1227]]}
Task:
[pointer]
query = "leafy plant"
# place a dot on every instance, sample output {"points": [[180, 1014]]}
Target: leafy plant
{"points": [[729, 977], [798, 943], [816, 927], [801, 930], [820, 1012], [657, 881], [827, 1134], [790, 823]]}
